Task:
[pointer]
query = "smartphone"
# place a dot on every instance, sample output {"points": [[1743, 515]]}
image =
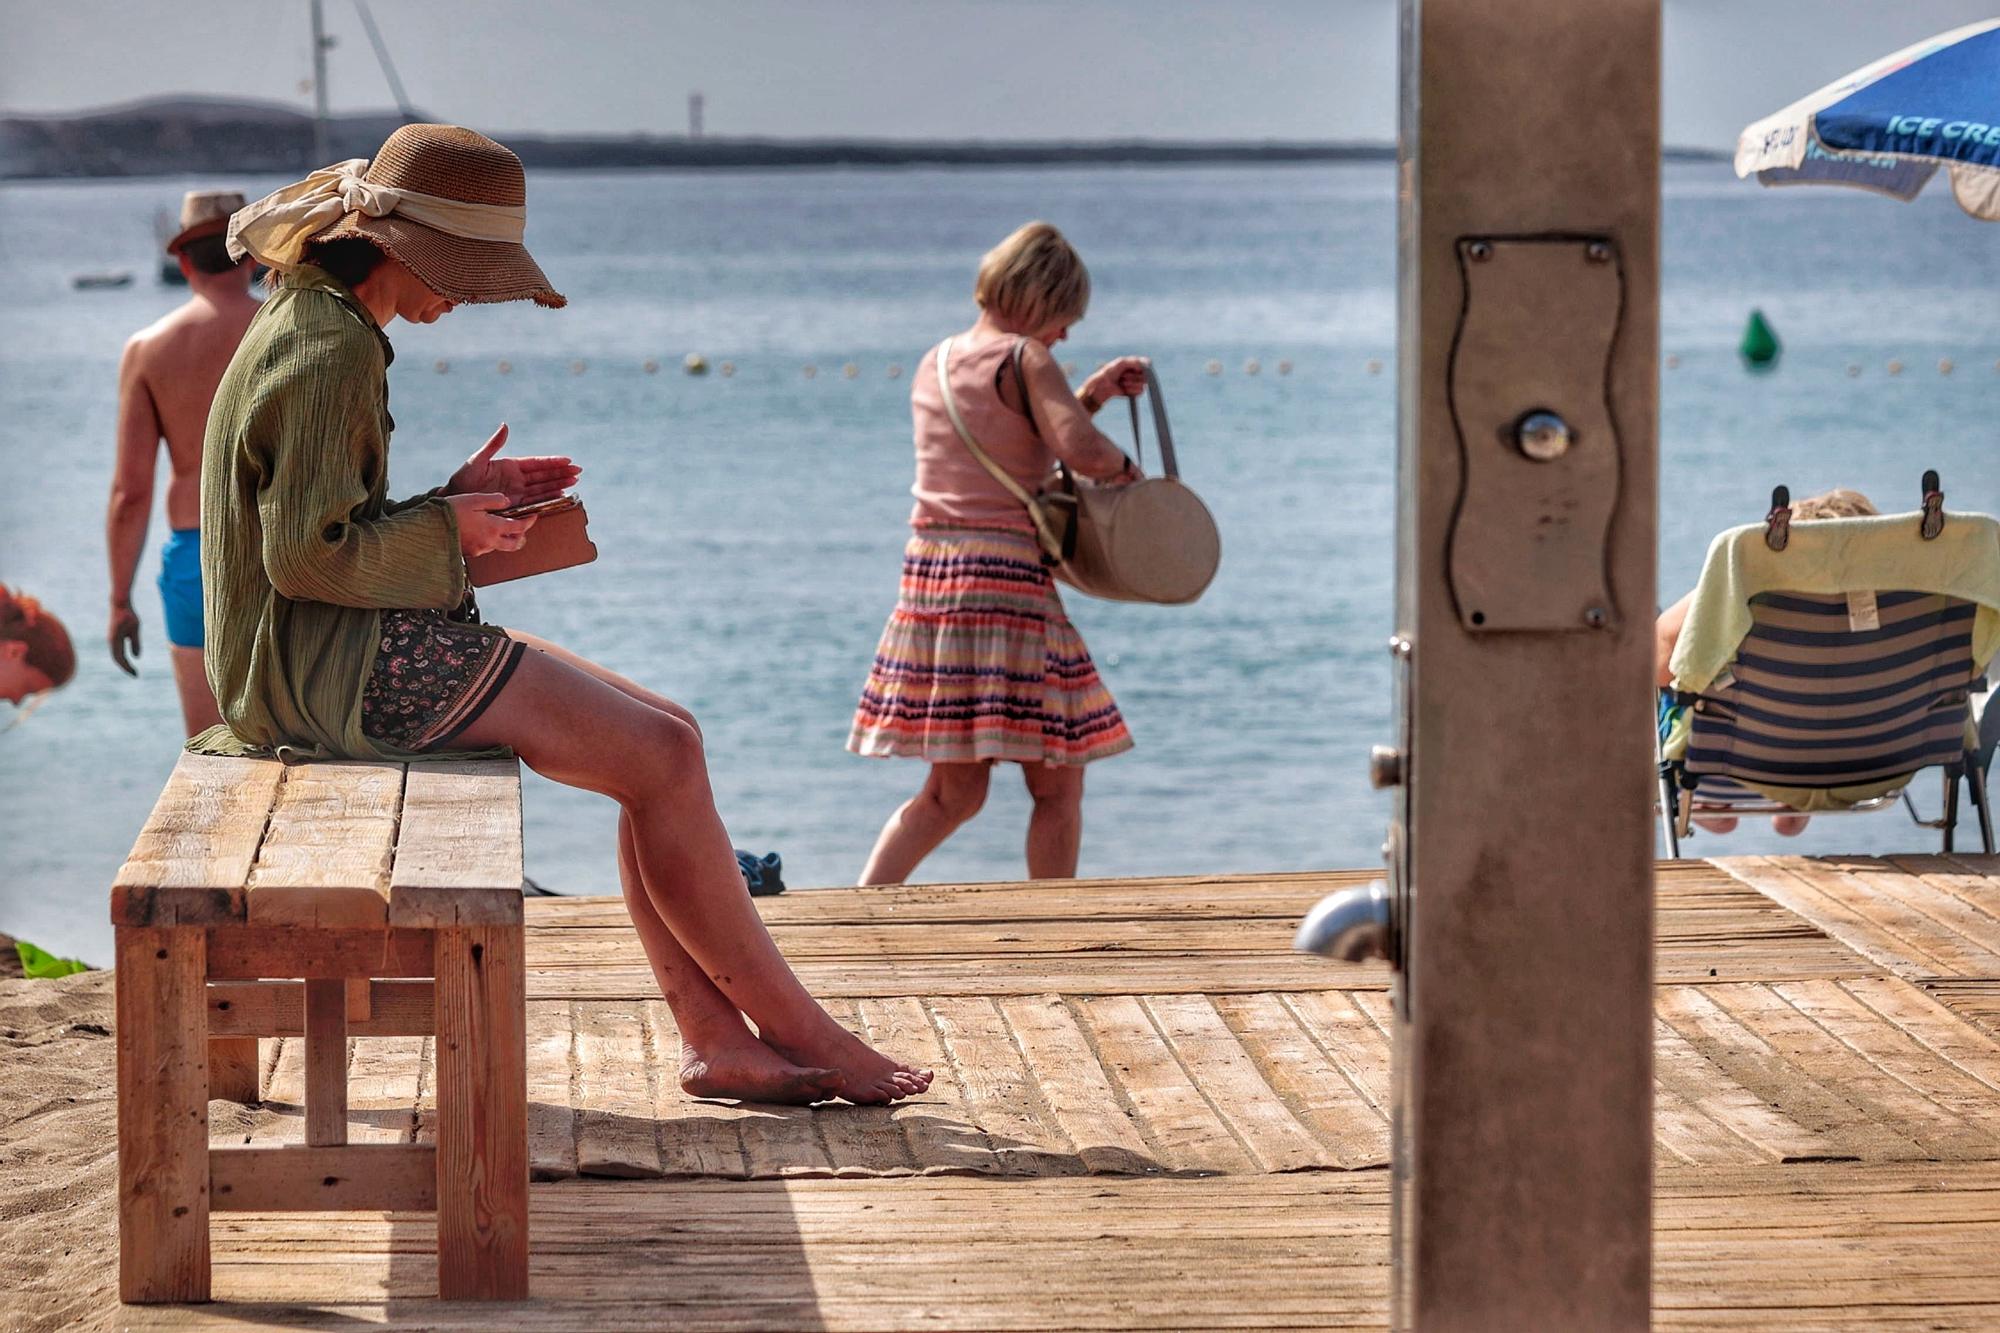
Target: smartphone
{"points": [[539, 507]]}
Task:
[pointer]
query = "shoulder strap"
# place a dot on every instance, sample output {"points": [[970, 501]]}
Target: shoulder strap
{"points": [[1049, 540]]}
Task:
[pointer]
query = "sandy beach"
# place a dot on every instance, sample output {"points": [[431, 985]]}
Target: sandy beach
{"points": [[58, 1144]]}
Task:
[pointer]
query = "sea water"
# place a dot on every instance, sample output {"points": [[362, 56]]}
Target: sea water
{"points": [[750, 524]]}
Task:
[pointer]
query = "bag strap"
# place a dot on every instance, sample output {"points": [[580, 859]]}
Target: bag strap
{"points": [[1168, 465], [1051, 544]]}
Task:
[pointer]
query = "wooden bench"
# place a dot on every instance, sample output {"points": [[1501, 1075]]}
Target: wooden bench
{"points": [[322, 900]]}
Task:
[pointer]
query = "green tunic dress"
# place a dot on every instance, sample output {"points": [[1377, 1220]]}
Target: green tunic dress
{"points": [[301, 549]]}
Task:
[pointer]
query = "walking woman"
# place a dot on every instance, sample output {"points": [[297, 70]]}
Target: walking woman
{"points": [[979, 664], [339, 623]]}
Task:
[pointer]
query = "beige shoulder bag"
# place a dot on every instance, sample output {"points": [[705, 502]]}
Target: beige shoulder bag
{"points": [[1151, 540]]}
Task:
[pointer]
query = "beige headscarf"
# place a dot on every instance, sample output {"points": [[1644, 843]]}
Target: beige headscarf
{"points": [[277, 227]]}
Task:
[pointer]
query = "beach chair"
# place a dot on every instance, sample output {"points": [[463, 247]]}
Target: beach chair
{"points": [[1851, 661]]}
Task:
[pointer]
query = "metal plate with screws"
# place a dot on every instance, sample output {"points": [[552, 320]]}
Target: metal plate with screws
{"points": [[1529, 396]]}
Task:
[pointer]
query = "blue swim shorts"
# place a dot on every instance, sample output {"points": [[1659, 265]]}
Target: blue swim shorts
{"points": [[180, 587]]}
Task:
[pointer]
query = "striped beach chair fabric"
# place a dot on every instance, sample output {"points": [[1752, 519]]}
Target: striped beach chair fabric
{"points": [[1834, 691]]}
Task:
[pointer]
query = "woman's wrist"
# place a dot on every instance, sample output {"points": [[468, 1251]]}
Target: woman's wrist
{"points": [[1090, 399]]}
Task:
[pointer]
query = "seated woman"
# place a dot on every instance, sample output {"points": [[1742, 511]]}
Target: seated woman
{"points": [[36, 655], [1667, 632], [339, 623]]}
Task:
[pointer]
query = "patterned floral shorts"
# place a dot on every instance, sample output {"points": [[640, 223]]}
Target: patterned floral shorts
{"points": [[435, 672]]}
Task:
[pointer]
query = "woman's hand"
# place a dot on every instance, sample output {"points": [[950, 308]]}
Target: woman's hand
{"points": [[481, 529], [522, 481], [1123, 378]]}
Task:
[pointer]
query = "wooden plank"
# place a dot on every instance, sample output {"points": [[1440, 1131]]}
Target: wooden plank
{"points": [[1218, 1063], [1680, 1066], [615, 1130], [939, 1133], [1848, 1246], [390, 1091], [614, 969], [1079, 1096], [1899, 1054], [394, 1177], [1839, 1067], [277, 1009], [245, 953], [1751, 1061], [551, 1074], [1935, 1026], [999, 1094], [193, 856], [163, 1200], [1884, 931], [1351, 1041], [863, 1140], [482, 1136], [1174, 1116], [326, 1063], [325, 857], [1339, 1115], [458, 856], [232, 1068]]}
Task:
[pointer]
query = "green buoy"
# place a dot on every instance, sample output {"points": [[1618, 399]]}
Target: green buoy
{"points": [[1759, 347]]}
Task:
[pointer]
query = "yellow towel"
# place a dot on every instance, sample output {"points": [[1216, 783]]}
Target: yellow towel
{"points": [[1830, 557]]}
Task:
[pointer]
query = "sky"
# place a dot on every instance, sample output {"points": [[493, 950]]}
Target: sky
{"points": [[1027, 69]]}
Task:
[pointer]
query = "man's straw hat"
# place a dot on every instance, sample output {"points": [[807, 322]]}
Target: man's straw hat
{"points": [[204, 213], [448, 203]]}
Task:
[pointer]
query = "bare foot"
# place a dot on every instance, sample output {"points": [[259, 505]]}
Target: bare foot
{"points": [[749, 1071], [868, 1078], [1717, 824], [1790, 826]]}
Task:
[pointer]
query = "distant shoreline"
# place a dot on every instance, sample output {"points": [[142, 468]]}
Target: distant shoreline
{"points": [[184, 137]]}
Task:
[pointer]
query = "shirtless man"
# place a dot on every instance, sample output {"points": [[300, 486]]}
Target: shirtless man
{"points": [[165, 381]]}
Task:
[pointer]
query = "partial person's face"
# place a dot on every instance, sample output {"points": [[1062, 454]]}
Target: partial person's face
{"points": [[18, 680], [416, 302], [1053, 335]]}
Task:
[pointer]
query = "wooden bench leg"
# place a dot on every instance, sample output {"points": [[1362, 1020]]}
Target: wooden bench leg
{"points": [[162, 1016], [326, 1063], [234, 1071], [482, 1132]]}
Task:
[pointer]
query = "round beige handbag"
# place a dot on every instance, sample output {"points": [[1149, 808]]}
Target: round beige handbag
{"points": [[1150, 540]]}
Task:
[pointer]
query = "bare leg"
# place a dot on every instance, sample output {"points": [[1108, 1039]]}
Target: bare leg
{"points": [[198, 710], [1717, 823], [720, 1055], [952, 794], [1055, 829], [1790, 826], [571, 726]]}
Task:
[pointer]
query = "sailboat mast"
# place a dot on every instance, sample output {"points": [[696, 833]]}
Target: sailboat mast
{"points": [[320, 43]]}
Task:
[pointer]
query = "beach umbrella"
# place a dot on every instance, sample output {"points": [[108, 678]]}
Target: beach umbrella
{"points": [[1890, 126]]}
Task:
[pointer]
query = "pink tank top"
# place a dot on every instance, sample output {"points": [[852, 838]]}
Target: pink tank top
{"points": [[951, 486]]}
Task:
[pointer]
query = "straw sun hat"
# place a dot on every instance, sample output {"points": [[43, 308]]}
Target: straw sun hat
{"points": [[448, 203]]}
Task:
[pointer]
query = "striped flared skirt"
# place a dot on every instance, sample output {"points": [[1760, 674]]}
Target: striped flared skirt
{"points": [[979, 662]]}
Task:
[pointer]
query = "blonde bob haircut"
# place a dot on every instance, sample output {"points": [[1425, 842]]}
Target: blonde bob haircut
{"points": [[1034, 280], [1840, 503]]}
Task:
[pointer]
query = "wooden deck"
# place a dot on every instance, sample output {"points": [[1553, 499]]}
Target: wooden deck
{"points": [[1150, 1114]]}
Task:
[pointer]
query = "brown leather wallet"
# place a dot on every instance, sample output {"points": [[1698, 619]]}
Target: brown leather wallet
{"points": [[559, 539]]}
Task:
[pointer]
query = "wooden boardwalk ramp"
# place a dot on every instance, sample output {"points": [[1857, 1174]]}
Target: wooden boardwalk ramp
{"points": [[1150, 1114]]}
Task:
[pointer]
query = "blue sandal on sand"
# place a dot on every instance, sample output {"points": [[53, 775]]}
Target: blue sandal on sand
{"points": [[761, 873]]}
